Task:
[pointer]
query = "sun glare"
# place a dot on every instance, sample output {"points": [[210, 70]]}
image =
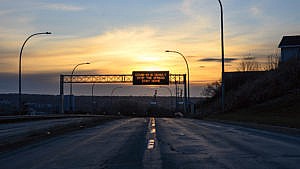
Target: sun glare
{"points": [[145, 58], [152, 68]]}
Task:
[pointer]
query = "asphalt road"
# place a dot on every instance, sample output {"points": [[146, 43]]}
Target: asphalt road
{"points": [[159, 143], [19, 132], [14, 129]]}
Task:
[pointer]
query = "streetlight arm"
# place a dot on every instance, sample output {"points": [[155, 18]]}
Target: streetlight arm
{"points": [[188, 75], [71, 86], [222, 35], [20, 58], [173, 51], [25, 43], [74, 70], [187, 65], [113, 90], [221, 6], [40, 33], [77, 66], [73, 73], [20, 64], [168, 89]]}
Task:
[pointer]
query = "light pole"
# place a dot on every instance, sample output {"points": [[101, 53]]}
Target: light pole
{"points": [[111, 95], [170, 94], [222, 46], [114, 89], [71, 86], [20, 67], [93, 101], [188, 71]]}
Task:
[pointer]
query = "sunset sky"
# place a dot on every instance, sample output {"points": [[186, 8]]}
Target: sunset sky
{"points": [[120, 36]]}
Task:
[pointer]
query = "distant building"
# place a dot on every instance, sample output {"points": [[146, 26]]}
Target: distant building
{"points": [[290, 48]]}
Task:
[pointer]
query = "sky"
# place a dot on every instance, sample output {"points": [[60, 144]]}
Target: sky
{"points": [[121, 36]]}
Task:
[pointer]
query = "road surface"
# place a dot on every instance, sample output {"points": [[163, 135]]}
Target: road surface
{"points": [[14, 129], [166, 143]]}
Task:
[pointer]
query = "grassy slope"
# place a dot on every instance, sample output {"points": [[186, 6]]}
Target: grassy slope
{"points": [[283, 111], [271, 99]]}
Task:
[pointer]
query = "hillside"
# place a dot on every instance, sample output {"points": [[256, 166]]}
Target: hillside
{"points": [[270, 98], [281, 111]]}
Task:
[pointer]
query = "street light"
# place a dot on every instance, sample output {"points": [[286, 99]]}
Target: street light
{"points": [[188, 71], [170, 94], [20, 67], [222, 46], [71, 86], [114, 89], [167, 89], [223, 60], [111, 95], [93, 101]]}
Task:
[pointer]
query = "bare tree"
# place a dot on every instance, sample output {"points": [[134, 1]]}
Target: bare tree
{"points": [[273, 61], [212, 89], [248, 63]]}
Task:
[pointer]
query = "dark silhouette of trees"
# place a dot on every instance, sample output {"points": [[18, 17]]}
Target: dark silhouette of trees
{"points": [[248, 63], [273, 61]]}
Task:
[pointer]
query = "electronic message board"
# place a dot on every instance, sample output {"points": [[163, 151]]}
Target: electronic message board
{"points": [[150, 77]]}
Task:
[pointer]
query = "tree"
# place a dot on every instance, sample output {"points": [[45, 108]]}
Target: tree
{"points": [[248, 63], [273, 61], [212, 89]]}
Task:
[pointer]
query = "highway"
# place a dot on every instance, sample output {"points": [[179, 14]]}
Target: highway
{"points": [[14, 129], [167, 143]]}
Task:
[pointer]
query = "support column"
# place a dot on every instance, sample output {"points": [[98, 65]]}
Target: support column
{"points": [[185, 94], [61, 94]]}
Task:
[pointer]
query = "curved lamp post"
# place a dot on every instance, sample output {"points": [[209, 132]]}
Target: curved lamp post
{"points": [[20, 67], [71, 86], [223, 60], [111, 95], [114, 89], [188, 71], [93, 100], [170, 94], [222, 46], [112, 92], [167, 89]]}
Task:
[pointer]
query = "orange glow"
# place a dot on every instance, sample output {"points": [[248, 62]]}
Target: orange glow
{"points": [[124, 51]]}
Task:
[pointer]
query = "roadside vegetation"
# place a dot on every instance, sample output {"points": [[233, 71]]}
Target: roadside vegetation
{"points": [[271, 96]]}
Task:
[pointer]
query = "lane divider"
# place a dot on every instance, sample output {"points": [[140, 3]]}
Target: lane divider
{"points": [[152, 135], [151, 143], [151, 159]]}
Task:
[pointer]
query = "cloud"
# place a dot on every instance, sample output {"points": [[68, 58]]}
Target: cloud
{"points": [[63, 7], [255, 11], [248, 58], [186, 7], [6, 12], [227, 60]]}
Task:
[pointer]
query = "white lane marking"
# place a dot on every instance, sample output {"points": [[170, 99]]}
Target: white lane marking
{"points": [[151, 134], [181, 134], [151, 159], [153, 130], [151, 144]]}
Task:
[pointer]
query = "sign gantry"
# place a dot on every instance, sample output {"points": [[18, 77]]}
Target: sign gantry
{"points": [[122, 78], [136, 78]]}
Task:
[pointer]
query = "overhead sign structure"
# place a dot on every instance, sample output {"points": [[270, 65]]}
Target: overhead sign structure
{"points": [[150, 77], [137, 78]]}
